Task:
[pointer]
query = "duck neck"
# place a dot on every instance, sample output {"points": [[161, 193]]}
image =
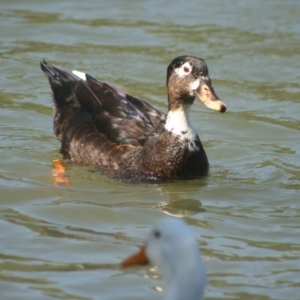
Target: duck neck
{"points": [[188, 285], [178, 121]]}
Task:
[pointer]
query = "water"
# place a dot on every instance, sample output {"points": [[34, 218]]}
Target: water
{"points": [[66, 242]]}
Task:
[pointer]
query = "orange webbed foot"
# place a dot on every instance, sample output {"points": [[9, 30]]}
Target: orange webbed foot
{"points": [[59, 173]]}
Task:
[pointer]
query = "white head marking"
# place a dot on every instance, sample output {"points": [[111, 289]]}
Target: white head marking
{"points": [[195, 84], [184, 70]]}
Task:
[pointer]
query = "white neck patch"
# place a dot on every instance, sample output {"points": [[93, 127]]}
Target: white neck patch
{"points": [[178, 123]]}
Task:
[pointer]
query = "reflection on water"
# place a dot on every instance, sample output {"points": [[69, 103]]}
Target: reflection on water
{"points": [[65, 242], [181, 207]]}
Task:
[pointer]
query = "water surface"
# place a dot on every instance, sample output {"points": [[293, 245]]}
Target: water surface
{"points": [[61, 242]]}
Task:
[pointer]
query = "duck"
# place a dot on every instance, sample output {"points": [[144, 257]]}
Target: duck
{"points": [[125, 137], [172, 247]]}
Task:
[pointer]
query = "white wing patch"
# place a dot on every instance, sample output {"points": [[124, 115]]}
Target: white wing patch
{"points": [[179, 124], [79, 74]]}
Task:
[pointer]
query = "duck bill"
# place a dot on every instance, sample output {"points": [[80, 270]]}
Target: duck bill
{"points": [[207, 95], [138, 258]]}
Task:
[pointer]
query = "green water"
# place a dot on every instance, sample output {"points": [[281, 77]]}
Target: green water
{"points": [[66, 242]]}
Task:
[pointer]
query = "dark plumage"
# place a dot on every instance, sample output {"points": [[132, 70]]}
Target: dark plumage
{"points": [[125, 137]]}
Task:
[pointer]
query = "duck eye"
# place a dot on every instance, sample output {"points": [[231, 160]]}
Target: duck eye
{"points": [[186, 69], [157, 234]]}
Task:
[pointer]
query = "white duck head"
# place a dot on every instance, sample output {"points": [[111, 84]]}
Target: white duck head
{"points": [[172, 247]]}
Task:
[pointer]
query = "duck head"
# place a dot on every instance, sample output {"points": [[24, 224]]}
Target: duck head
{"points": [[188, 78], [172, 247]]}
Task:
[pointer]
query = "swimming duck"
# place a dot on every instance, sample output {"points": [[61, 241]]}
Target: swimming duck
{"points": [[171, 246], [125, 137]]}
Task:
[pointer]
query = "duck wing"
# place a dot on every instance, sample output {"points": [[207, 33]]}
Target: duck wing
{"points": [[122, 118]]}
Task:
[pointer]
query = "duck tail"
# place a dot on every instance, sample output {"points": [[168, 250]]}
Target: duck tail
{"points": [[62, 84]]}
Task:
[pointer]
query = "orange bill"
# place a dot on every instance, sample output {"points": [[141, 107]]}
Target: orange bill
{"points": [[59, 173], [207, 95], [138, 258]]}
